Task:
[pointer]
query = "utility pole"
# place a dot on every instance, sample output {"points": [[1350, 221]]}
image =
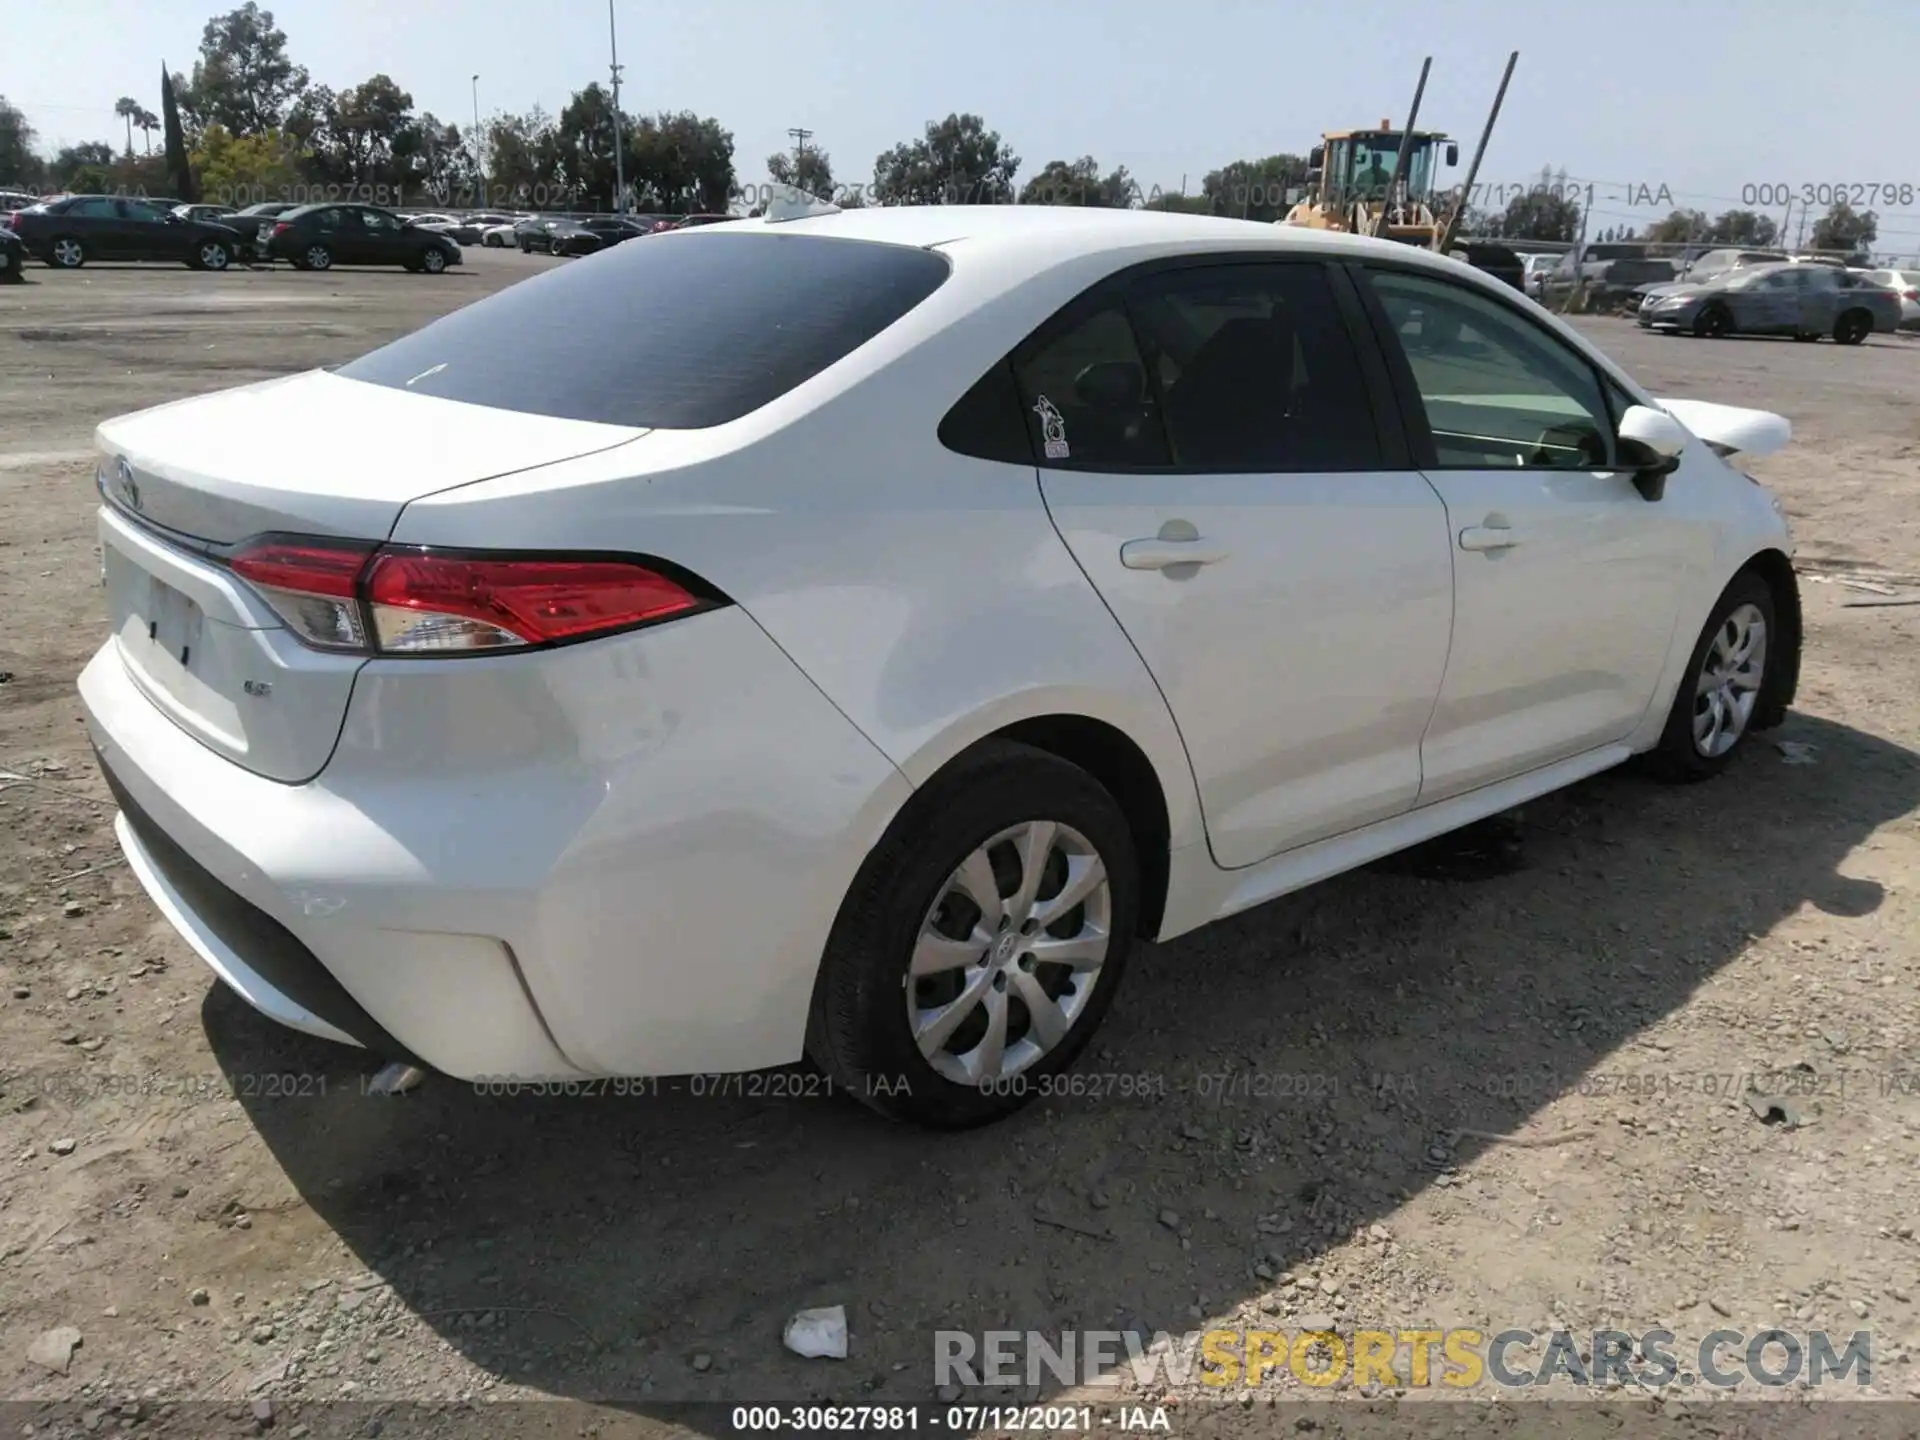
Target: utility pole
{"points": [[800, 135], [619, 144], [479, 171]]}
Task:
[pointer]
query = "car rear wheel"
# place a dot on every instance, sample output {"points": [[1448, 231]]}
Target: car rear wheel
{"points": [[1713, 323], [1853, 327], [66, 253], [433, 261], [1714, 708], [316, 257], [981, 943], [212, 255]]}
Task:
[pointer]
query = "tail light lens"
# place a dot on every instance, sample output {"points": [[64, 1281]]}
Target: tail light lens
{"points": [[394, 601], [281, 227], [1910, 294]]}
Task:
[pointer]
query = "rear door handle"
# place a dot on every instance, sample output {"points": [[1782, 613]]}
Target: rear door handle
{"points": [[1488, 537], [1159, 554]]}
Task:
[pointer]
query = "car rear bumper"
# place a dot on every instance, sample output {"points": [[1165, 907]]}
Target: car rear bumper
{"points": [[618, 858]]}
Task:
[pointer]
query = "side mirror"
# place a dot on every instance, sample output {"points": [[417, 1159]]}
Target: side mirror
{"points": [[1651, 442], [1316, 157], [1453, 153], [1111, 385]]}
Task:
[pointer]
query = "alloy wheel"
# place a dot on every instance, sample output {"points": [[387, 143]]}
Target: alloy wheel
{"points": [[1010, 952], [68, 253], [319, 257], [1729, 684], [433, 262], [213, 255]]}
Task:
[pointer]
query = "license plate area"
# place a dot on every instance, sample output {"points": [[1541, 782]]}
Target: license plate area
{"points": [[174, 624]]}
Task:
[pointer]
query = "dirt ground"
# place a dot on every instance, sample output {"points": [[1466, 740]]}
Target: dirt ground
{"points": [[223, 1215]]}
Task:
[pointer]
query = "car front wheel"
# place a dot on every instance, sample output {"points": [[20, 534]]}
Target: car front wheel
{"points": [[433, 261], [981, 943], [212, 255], [1714, 709]]}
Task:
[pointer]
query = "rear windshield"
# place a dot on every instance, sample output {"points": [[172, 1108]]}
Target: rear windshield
{"points": [[677, 333]]}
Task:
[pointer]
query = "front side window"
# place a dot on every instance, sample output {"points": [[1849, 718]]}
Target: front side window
{"points": [[1496, 389]]}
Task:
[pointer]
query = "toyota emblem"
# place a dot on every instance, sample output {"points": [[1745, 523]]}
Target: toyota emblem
{"points": [[129, 487]]}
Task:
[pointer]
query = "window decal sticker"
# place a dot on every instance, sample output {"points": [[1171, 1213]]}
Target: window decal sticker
{"points": [[1053, 429]]}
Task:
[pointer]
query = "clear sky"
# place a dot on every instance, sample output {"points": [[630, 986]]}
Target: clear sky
{"points": [[1706, 98]]}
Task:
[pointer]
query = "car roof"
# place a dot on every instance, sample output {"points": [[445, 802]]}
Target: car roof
{"points": [[1046, 233]]}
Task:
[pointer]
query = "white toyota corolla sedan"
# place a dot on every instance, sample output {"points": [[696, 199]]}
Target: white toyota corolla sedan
{"points": [[844, 634]]}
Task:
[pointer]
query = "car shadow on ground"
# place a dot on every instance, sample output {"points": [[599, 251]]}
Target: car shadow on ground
{"points": [[642, 1251]]}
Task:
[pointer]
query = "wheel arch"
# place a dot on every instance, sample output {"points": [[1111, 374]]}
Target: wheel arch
{"points": [[1110, 755], [1783, 666]]}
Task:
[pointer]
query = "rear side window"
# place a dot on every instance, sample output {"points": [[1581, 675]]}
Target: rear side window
{"points": [[1087, 398], [1255, 370], [676, 335]]}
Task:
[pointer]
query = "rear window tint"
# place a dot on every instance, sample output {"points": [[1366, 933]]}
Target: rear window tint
{"points": [[672, 333]]}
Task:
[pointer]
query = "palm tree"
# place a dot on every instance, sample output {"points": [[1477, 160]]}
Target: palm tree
{"points": [[126, 107], [148, 123]]}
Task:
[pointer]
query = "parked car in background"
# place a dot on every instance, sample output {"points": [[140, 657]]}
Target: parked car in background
{"points": [[530, 233], [503, 233], [318, 237], [68, 232], [685, 222], [13, 257], [256, 221], [1804, 301], [1534, 269], [11, 200], [571, 237], [847, 635], [215, 214], [1905, 284]]}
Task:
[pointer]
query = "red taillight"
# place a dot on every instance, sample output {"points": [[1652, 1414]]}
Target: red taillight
{"points": [[1910, 294], [280, 228], [423, 601], [413, 602]]}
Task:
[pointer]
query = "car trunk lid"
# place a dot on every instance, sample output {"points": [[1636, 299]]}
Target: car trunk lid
{"points": [[312, 455]]}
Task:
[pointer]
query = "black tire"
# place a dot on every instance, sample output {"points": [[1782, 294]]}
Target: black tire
{"points": [[15, 272], [316, 257], [433, 261], [1715, 322], [1852, 327], [66, 252], [858, 1031], [203, 256], [1678, 757], [526, 246]]}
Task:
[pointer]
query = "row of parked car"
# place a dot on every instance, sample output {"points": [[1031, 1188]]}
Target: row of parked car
{"points": [[1728, 290], [66, 231]]}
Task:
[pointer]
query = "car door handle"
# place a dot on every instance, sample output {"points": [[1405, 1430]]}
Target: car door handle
{"points": [[1159, 554], [1488, 537]]}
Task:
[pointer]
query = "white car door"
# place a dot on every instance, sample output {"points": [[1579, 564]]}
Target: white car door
{"points": [[1567, 582], [1214, 461]]}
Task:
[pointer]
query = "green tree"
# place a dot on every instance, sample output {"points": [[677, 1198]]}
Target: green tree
{"points": [[681, 164], [179, 168], [1079, 182], [1743, 227], [244, 169], [1540, 214], [359, 129], [584, 139], [1254, 189], [1680, 227], [20, 162], [523, 160], [1845, 229], [959, 161], [243, 78], [86, 167], [808, 170], [126, 107]]}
